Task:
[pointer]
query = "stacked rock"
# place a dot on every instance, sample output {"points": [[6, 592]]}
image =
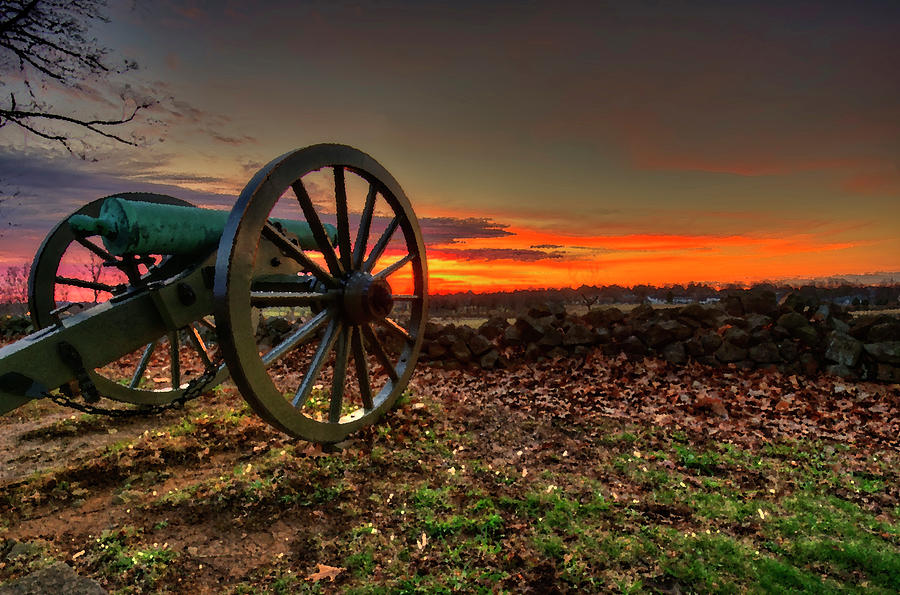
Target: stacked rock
{"points": [[747, 330]]}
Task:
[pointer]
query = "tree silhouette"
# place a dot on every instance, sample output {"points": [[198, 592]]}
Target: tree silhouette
{"points": [[45, 45]]}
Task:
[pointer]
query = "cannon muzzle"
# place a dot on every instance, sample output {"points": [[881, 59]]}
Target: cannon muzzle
{"points": [[137, 227]]}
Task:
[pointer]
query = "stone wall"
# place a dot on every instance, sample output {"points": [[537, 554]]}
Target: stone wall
{"points": [[747, 330]]}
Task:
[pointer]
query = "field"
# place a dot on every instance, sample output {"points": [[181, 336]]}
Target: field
{"points": [[589, 474]]}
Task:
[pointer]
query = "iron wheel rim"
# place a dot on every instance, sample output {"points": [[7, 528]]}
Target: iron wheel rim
{"points": [[235, 264]]}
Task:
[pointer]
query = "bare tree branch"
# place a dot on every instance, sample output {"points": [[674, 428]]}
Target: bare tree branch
{"points": [[47, 42], [10, 23]]}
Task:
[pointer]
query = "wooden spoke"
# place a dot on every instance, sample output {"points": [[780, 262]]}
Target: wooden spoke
{"points": [[365, 223], [207, 324], [365, 248], [199, 347], [142, 365], [266, 299], [96, 249], [362, 369], [318, 360], [378, 250], [302, 334], [271, 233], [93, 285], [340, 374], [384, 273], [378, 350], [395, 328], [175, 367], [317, 229], [343, 221]]}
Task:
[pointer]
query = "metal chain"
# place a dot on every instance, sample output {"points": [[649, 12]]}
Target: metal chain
{"points": [[193, 390]]}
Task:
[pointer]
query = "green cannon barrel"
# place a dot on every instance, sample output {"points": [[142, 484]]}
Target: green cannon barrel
{"points": [[137, 227]]}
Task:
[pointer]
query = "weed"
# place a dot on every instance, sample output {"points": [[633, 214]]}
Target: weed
{"points": [[185, 427], [490, 526], [361, 564], [432, 499], [704, 462], [367, 529], [550, 546], [120, 446], [483, 504], [236, 417], [405, 398], [175, 497], [113, 553], [452, 526]]}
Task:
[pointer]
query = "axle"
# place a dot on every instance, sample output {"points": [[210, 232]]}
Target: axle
{"points": [[135, 227]]}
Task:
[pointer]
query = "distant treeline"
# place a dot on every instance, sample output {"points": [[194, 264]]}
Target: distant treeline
{"points": [[846, 295]]}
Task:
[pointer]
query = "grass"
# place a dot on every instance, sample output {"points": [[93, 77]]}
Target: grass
{"points": [[422, 505], [119, 552], [707, 516]]}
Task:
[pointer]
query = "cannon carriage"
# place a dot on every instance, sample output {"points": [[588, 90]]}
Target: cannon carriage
{"points": [[311, 294]]}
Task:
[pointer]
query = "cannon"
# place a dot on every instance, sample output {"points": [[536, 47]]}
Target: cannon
{"points": [[311, 294]]}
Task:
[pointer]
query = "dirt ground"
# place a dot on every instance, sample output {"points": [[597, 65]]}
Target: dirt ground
{"points": [[210, 499]]}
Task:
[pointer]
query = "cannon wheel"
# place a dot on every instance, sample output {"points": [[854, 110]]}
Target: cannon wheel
{"points": [[353, 313], [45, 276]]}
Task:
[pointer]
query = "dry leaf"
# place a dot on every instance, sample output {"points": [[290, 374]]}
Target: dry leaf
{"points": [[314, 450], [714, 404], [325, 571]]}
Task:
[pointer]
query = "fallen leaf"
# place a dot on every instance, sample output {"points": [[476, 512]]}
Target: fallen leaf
{"points": [[314, 450], [714, 404], [325, 571]]}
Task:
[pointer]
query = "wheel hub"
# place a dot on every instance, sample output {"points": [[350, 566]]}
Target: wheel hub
{"points": [[367, 298]]}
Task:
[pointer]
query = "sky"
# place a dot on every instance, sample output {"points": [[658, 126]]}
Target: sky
{"points": [[542, 144]]}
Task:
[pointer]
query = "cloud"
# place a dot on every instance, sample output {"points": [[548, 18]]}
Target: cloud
{"points": [[450, 230], [231, 140], [51, 186], [517, 254], [250, 166]]}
